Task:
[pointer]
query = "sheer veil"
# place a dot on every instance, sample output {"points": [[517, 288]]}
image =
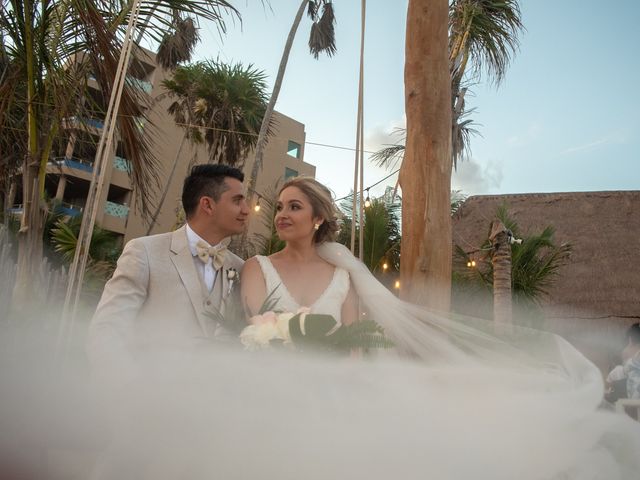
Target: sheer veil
{"points": [[520, 363], [457, 340]]}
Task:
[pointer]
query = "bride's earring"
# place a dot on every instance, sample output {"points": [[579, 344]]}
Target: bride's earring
{"points": [[316, 226]]}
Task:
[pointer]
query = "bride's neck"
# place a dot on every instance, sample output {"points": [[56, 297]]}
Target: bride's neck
{"points": [[300, 252]]}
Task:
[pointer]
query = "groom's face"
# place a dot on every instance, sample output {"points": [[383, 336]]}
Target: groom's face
{"points": [[230, 212]]}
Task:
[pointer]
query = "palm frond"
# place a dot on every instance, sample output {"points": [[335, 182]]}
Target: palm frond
{"points": [[223, 104], [391, 155], [177, 46], [322, 38], [487, 31]]}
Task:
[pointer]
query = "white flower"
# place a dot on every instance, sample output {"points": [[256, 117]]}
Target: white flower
{"points": [[255, 337], [266, 327], [282, 325], [232, 277]]}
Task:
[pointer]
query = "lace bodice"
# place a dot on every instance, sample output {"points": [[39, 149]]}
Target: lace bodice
{"points": [[329, 302]]}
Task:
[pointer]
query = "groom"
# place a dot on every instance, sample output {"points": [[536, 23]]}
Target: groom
{"points": [[168, 289]]}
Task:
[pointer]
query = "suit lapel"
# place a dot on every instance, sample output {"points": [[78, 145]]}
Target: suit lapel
{"points": [[224, 280], [183, 261]]}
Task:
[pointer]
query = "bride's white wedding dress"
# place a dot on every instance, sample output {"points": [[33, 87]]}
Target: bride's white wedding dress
{"points": [[463, 404], [329, 302]]}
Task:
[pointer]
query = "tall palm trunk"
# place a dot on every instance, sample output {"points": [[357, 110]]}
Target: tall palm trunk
{"points": [[501, 274], [154, 217], [266, 120], [425, 176], [32, 221]]}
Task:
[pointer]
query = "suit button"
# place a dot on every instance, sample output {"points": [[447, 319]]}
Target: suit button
{"points": [[208, 303]]}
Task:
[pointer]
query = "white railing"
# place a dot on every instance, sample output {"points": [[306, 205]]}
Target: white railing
{"points": [[116, 209]]}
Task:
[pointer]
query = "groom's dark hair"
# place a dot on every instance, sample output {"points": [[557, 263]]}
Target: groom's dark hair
{"points": [[206, 180]]}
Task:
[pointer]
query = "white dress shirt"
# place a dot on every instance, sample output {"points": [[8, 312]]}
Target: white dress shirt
{"points": [[206, 271]]}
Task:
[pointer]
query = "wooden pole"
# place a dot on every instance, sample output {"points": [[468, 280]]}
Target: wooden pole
{"points": [[103, 153], [358, 176]]}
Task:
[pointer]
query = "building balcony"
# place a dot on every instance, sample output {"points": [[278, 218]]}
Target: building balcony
{"points": [[140, 84], [69, 209], [115, 217], [73, 162], [143, 85], [121, 164], [77, 122], [116, 209], [121, 172], [73, 166], [16, 211], [63, 208]]}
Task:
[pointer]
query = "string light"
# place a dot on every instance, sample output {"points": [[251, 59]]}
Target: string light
{"points": [[257, 206], [397, 285], [367, 201], [471, 264], [385, 266]]}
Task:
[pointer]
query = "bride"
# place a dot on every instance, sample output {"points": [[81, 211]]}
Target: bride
{"points": [[298, 276], [522, 404]]}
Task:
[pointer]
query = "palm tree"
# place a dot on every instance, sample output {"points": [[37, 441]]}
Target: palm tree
{"points": [[381, 234], [485, 32], [182, 110], [501, 263], [535, 266], [484, 35], [104, 251], [425, 175], [219, 104], [49, 49], [321, 40]]}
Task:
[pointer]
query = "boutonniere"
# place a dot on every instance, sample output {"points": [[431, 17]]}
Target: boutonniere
{"points": [[232, 277]]}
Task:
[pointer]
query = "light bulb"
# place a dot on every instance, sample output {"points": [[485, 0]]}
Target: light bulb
{"points": [[257, 207], [385, 266], [397, 284]]}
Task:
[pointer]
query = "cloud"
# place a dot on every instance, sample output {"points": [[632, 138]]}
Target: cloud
{"points": [[384, 135], [471, 177], [474, 178]]}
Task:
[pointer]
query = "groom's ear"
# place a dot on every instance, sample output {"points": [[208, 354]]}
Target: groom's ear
{"points": [[207, 205]]}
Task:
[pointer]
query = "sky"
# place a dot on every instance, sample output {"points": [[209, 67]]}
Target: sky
{"points": [[564, 118]]}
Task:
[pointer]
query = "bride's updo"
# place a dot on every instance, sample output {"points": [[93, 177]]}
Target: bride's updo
{"points": [[322, 205]]}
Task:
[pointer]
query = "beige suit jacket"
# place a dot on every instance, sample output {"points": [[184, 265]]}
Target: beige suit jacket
{"points": [[156, 300]]}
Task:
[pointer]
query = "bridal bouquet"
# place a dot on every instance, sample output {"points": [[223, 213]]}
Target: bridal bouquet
{"points": [[311, 331]]}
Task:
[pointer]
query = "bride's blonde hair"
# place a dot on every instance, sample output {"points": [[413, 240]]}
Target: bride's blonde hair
{"points": [[321, 204]]}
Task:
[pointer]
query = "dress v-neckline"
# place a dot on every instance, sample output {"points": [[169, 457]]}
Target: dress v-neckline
{"points": [[286, 290]]}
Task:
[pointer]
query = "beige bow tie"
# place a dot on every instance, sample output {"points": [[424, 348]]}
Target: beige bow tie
{"points": [[216, 254]]}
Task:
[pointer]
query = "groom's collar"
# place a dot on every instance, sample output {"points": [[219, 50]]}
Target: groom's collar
{"points": [[193, 238]]}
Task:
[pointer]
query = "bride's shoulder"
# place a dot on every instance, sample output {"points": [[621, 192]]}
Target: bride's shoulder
{"points": [[252, 264]]}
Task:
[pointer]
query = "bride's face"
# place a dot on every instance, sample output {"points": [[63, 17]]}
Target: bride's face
{"points": [[294, 216]]}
